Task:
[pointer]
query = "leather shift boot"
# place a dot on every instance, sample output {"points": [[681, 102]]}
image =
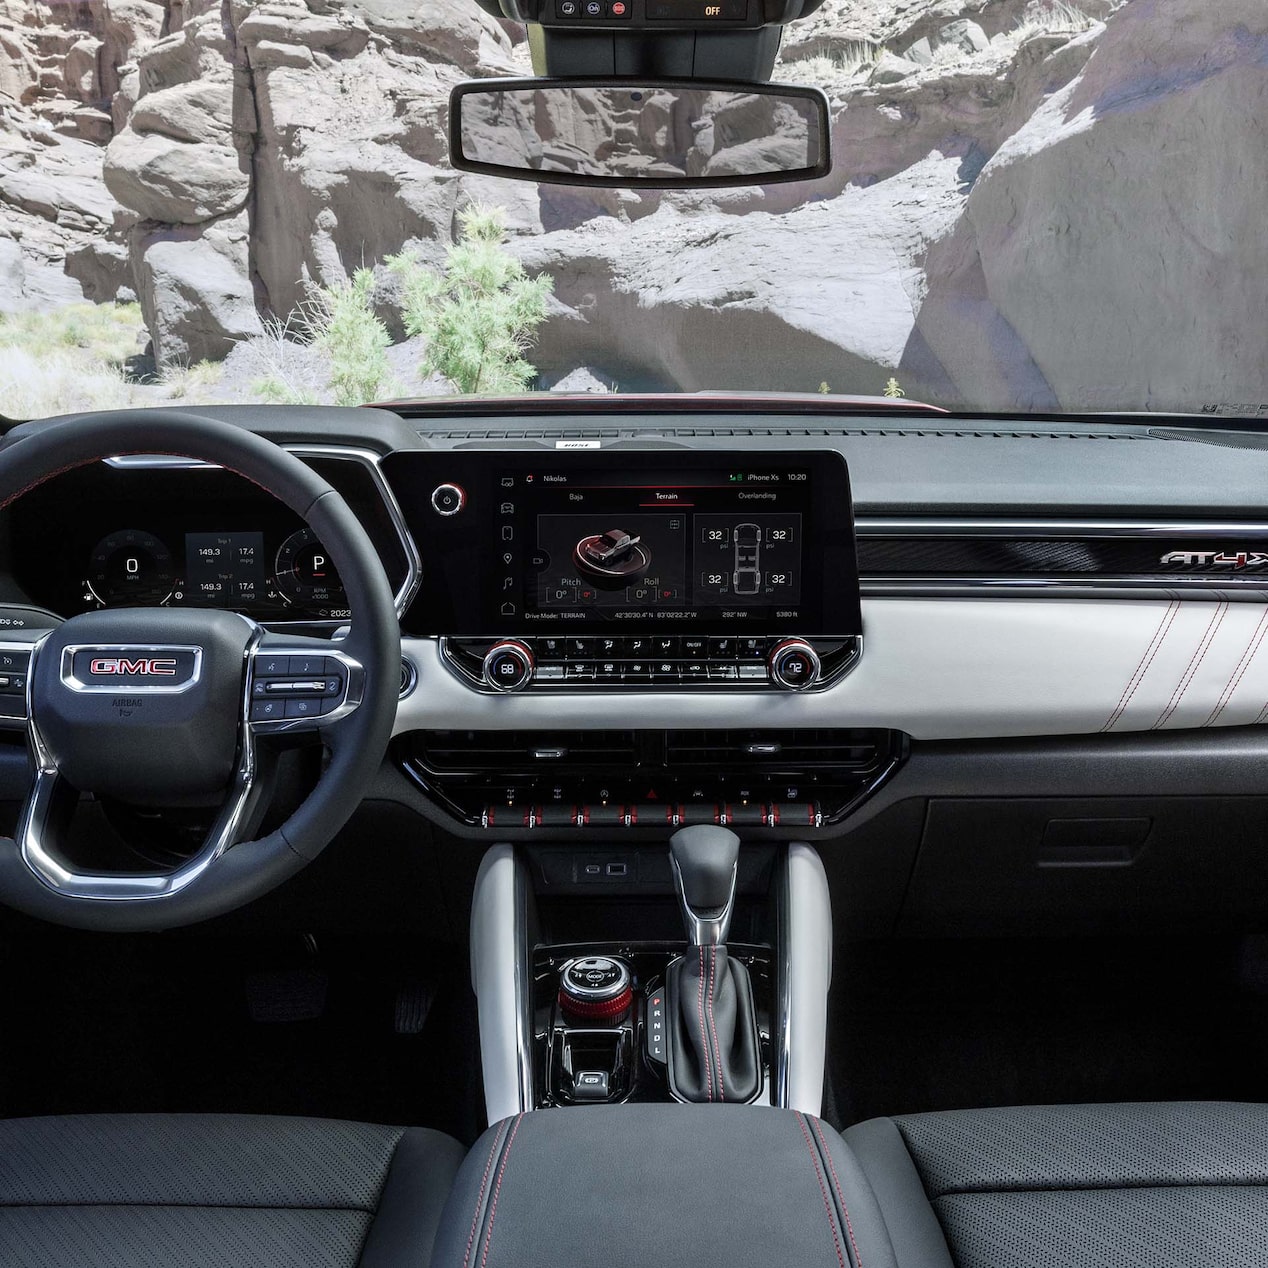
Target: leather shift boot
{"points": [[713, 1041]]}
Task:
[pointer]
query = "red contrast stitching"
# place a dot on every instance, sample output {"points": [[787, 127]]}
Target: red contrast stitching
{"points": [[708, 1065], [836, 1184], [1138, 675], [475, 1219], [827, 1202], [497, 1189], [1239, 670], [1195, 663], [713, 1025]]}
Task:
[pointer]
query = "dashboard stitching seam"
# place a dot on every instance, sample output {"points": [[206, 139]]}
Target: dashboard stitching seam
{"points": [[1239, 670], [713, 1025], [1195, 663], [836, 1184], [827, 1203], [497, 1190], [475, 1219], [1143, 667]]}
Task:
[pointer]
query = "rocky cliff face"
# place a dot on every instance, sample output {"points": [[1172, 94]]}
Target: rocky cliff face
{"points": [[1033, 205]]}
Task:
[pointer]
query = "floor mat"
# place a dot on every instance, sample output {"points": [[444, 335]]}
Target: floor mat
{"points": [[173, 1023], [927, 1025]]}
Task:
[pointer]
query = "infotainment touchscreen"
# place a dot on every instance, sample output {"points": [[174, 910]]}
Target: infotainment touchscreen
{"points": [[712, 541]]}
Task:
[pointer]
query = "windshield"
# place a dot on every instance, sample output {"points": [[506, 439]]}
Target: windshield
{"points": [[1033, 207]]}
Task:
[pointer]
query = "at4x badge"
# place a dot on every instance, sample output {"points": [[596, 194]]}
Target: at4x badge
{"points": [[1234, 559]]}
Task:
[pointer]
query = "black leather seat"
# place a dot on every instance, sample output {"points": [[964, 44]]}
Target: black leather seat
{"points": [[193, 1191], [1085, 1186]]}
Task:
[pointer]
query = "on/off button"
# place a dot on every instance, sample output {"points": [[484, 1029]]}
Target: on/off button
{"points": [[448, 499]]}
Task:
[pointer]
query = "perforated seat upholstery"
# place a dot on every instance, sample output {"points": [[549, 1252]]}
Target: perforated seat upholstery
{"points": [[192, 1191], [1087, 1186]]}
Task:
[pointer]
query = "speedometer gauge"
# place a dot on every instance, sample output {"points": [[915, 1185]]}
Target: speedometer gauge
{"points": [[305, 574], [130, 568]]}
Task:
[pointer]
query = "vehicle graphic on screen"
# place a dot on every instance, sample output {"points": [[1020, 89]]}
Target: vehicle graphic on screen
{"points": [[747, 577], [613, 559]]}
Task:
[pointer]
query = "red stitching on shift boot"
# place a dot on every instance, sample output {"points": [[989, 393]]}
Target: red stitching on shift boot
{"points": [[704, 1041], [713, 1025]]}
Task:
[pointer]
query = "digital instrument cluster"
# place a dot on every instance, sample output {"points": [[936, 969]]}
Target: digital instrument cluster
{"points": [[227, 568], [117, 535]]}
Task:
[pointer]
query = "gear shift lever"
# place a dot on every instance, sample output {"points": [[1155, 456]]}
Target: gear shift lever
{"points": [[713, 1045], [705, 860]]}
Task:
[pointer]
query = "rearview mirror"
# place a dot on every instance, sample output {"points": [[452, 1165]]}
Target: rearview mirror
{"points": [[657, 134]]}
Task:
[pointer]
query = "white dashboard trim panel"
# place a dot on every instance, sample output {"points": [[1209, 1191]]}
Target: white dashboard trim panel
{"points": [[946, 669]]}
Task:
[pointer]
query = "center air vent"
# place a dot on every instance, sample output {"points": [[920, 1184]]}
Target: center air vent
{"points": [[653, 781]]}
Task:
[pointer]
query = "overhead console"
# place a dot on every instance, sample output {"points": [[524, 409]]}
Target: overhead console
{"points": [[701, 39], [634, 569]]}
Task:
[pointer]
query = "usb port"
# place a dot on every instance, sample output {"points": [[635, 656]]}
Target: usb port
{"points": [[618, 869]]}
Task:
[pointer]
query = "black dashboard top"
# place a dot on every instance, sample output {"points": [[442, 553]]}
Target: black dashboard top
{"points": [[906, 464]]}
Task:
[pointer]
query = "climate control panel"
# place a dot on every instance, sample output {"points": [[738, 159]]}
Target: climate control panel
{"points": [[664, 662]]}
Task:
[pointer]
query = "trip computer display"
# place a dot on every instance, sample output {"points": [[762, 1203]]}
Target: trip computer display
{"points": [[534, 544]]}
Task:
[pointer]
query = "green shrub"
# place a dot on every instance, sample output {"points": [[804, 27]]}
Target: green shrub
{"points": [[354, 339], [479, 317]]}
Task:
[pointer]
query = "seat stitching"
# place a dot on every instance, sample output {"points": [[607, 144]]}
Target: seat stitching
{"points": [[497, 1189], [708, 1064], [827, 1202], [475, 1218], [836, 1184]]}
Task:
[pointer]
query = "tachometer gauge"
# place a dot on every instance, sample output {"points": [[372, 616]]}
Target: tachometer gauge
{"points": [[130, 568], [305, 574]]}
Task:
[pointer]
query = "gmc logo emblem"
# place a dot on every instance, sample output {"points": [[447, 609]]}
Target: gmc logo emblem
{"points": [[142, 667]]}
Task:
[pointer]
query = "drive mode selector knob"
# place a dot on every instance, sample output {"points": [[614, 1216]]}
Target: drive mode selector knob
{"points": [[595, 988], [793, 665], [508, 666]]}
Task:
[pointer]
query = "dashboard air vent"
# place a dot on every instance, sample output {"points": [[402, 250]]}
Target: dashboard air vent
{"points": [[524, 752]]}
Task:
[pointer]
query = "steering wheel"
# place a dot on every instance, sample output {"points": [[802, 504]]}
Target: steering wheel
{"points": [[170, 706]]}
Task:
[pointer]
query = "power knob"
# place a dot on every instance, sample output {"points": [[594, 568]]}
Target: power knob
{"points": [[793, 665], [448, 499], [508, 666]]}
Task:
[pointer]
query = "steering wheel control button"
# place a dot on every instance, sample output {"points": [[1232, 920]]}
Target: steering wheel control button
{"points": [[268, 710], [448, 499], [595, 989], [794, 665], [508, 666], [306, 666]]}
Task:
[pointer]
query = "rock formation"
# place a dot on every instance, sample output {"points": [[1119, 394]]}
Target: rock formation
{"points": [[1032, 205]]}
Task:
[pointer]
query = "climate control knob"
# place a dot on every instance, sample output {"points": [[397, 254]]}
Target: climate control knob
{"points": [[508, 666], [793, 665]]}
